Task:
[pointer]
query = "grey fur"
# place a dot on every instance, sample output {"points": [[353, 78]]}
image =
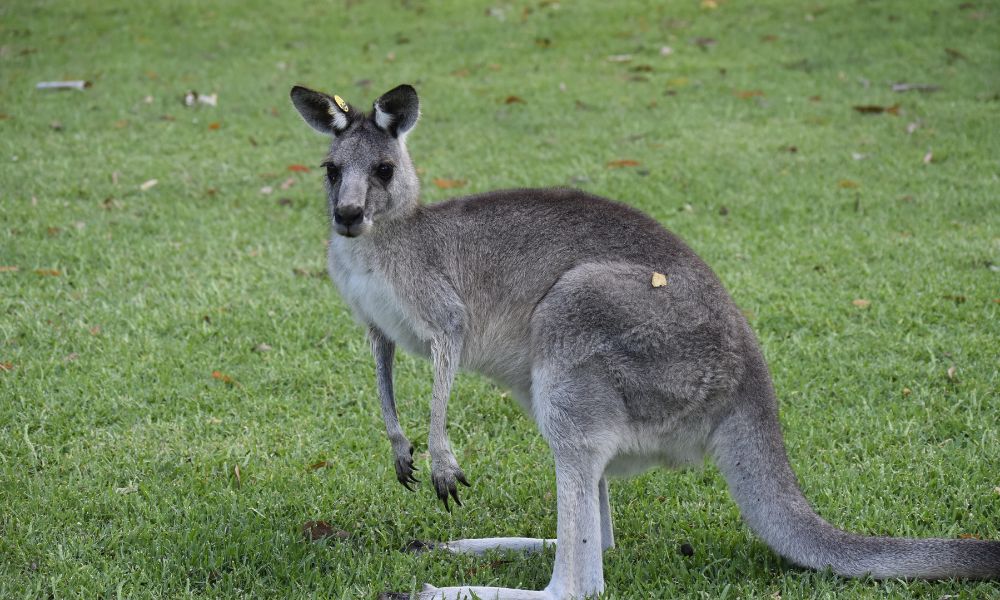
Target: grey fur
{"points": [[547, 291]]}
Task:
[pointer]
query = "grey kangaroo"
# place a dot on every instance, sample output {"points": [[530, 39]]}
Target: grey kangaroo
{"points": [[609, 331]]}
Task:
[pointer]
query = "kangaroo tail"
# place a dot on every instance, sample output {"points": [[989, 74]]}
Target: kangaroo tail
{"points": [[747, 447]]}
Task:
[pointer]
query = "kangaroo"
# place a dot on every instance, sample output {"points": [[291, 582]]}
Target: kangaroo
{"points": [[609, 331]]}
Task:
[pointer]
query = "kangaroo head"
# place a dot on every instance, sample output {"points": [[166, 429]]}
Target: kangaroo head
{"points": [[369, 176]]}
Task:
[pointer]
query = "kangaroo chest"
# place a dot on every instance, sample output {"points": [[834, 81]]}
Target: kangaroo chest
{"points": [[371, 297]]}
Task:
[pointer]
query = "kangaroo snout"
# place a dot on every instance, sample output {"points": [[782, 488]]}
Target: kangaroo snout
{"points": [[349, 220]]}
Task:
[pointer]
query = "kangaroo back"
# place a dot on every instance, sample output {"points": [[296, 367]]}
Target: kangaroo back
{"points": [[747, 447]]}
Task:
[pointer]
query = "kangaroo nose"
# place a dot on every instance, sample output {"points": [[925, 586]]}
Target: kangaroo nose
{"points": [[349, 215]]}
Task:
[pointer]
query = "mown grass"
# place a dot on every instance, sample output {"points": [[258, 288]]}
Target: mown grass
{"points": [[119, 448]]}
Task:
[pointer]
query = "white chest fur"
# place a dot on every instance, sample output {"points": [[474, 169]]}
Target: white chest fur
{"points": [[372, 298]]}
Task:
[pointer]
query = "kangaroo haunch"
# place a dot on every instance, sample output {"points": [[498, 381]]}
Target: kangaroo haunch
{"points": [[551, 293]]}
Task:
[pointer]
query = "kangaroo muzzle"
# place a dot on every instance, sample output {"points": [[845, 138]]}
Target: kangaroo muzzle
{"points": [[349, 220], [348, 216]]}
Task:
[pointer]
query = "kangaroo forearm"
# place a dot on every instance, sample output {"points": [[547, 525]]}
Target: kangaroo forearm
{"points": [[445, 351], [383, 351]]}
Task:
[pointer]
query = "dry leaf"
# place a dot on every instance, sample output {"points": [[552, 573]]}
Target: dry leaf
{"points": [[223, 377], [952, 372], [287, 183], [658, 280], [747, 94], [928, 157], [623, 162], [460, 73], [191, 98], [970, 536], [48, 272], [128, 489], [63, 85], [266, 190], [236, 473], [6, 366], [300, 272], [861, 302], [907, 391], [214, 125], [72, 356], [95, 330], [874, 109], [447, 184], [319, 465], [298, 168], [9, 269], [262, 347], [954, 55], [514, 100], [318, 530], [848, 184], [148, 184]]}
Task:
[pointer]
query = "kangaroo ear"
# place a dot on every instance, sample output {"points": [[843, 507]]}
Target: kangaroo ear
{"points": [[397, 110], [325, 114]]}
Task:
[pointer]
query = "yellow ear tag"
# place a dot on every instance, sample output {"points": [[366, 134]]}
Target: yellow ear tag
{"points": [[340, 102]]}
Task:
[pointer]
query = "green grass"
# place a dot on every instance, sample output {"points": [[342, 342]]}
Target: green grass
{"points": [[118, 447]]}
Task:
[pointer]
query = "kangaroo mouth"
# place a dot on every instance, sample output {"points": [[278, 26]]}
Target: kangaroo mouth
{"points": [[352, 231]]}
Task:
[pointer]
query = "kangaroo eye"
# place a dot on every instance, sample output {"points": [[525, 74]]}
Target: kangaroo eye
{"points": [[332, 172], [384, 172]]}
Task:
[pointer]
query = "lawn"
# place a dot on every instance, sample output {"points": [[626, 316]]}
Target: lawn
{"points": [[181, 388]]}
